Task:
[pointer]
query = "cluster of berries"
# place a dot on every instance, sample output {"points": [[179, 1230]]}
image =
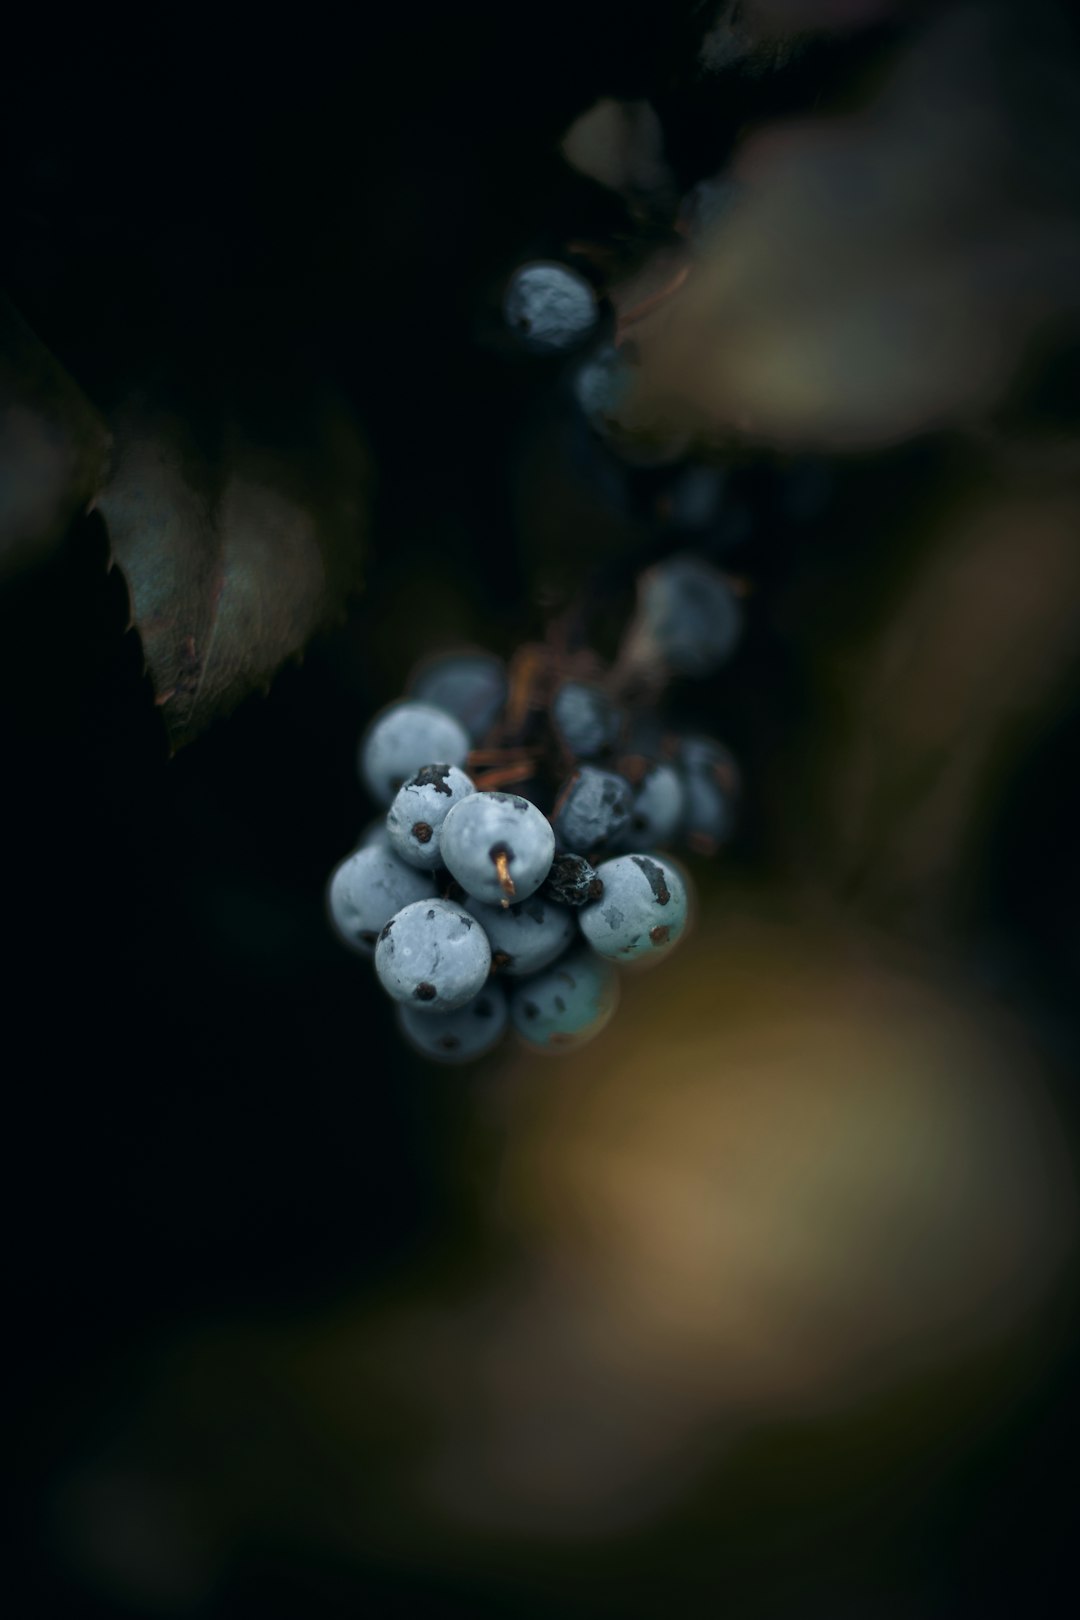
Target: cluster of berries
{"points": [[485, 908]]}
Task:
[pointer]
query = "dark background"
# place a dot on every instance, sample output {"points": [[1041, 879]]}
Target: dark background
{"points": [[210, 1111]]}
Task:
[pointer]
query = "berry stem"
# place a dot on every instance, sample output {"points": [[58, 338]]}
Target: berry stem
{"points": [[502, 872], [645, 307], [504, 776]]}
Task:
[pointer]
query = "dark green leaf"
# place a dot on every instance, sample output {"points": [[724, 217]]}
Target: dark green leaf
{"points": [[237, 546]]}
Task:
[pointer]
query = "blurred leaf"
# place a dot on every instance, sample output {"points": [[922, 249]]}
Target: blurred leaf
{"points": [[237, 546], [890, 271], [53, 446], [620, 144], [937, 707]]}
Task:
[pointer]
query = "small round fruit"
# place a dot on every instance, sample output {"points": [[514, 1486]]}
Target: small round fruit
{"points": [[524, 938], [603, 387], [470, 686], [687, 616], [498, 846], [710, 778], [643, 912], [433, 956], [585, 718], [414, 820], [592, 810], [366, 889], [461, 1036], [550, 306], [659, 804], [567, 1004], [402, 739]]}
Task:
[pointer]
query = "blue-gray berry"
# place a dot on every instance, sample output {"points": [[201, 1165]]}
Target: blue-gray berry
{"points": [[711, 779], [498, 846], [367, 888], [457, 1037], [585, 718], [601, 386], [433, 956], [644, 909], [550, 306], [688, 617], [414, 820], [567, 1004], [402, 739], [592, 810], [526, 937], [659, 805], [470, 686]]}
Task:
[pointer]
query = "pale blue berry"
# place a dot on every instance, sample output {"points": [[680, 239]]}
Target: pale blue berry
{"points": [[498, 846], [470, 686], [414, 820], [461, 1036], [644, 909], [402, 739], [657, 813], [433, 956], [567, 1004], [526, 937], [367, 888], [550, 306]]}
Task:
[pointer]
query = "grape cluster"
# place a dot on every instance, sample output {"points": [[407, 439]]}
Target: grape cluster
{"points": [[528, 817], [530, 810]]}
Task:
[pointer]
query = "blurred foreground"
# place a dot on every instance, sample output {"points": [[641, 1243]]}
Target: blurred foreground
{"points": [[748, 1281]]}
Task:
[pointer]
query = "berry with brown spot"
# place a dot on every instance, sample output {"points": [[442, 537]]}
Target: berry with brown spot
{"points": [[644, 910]]}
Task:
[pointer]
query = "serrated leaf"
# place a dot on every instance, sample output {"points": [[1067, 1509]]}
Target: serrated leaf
{"points": [[53, 446], [236, 548]]}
